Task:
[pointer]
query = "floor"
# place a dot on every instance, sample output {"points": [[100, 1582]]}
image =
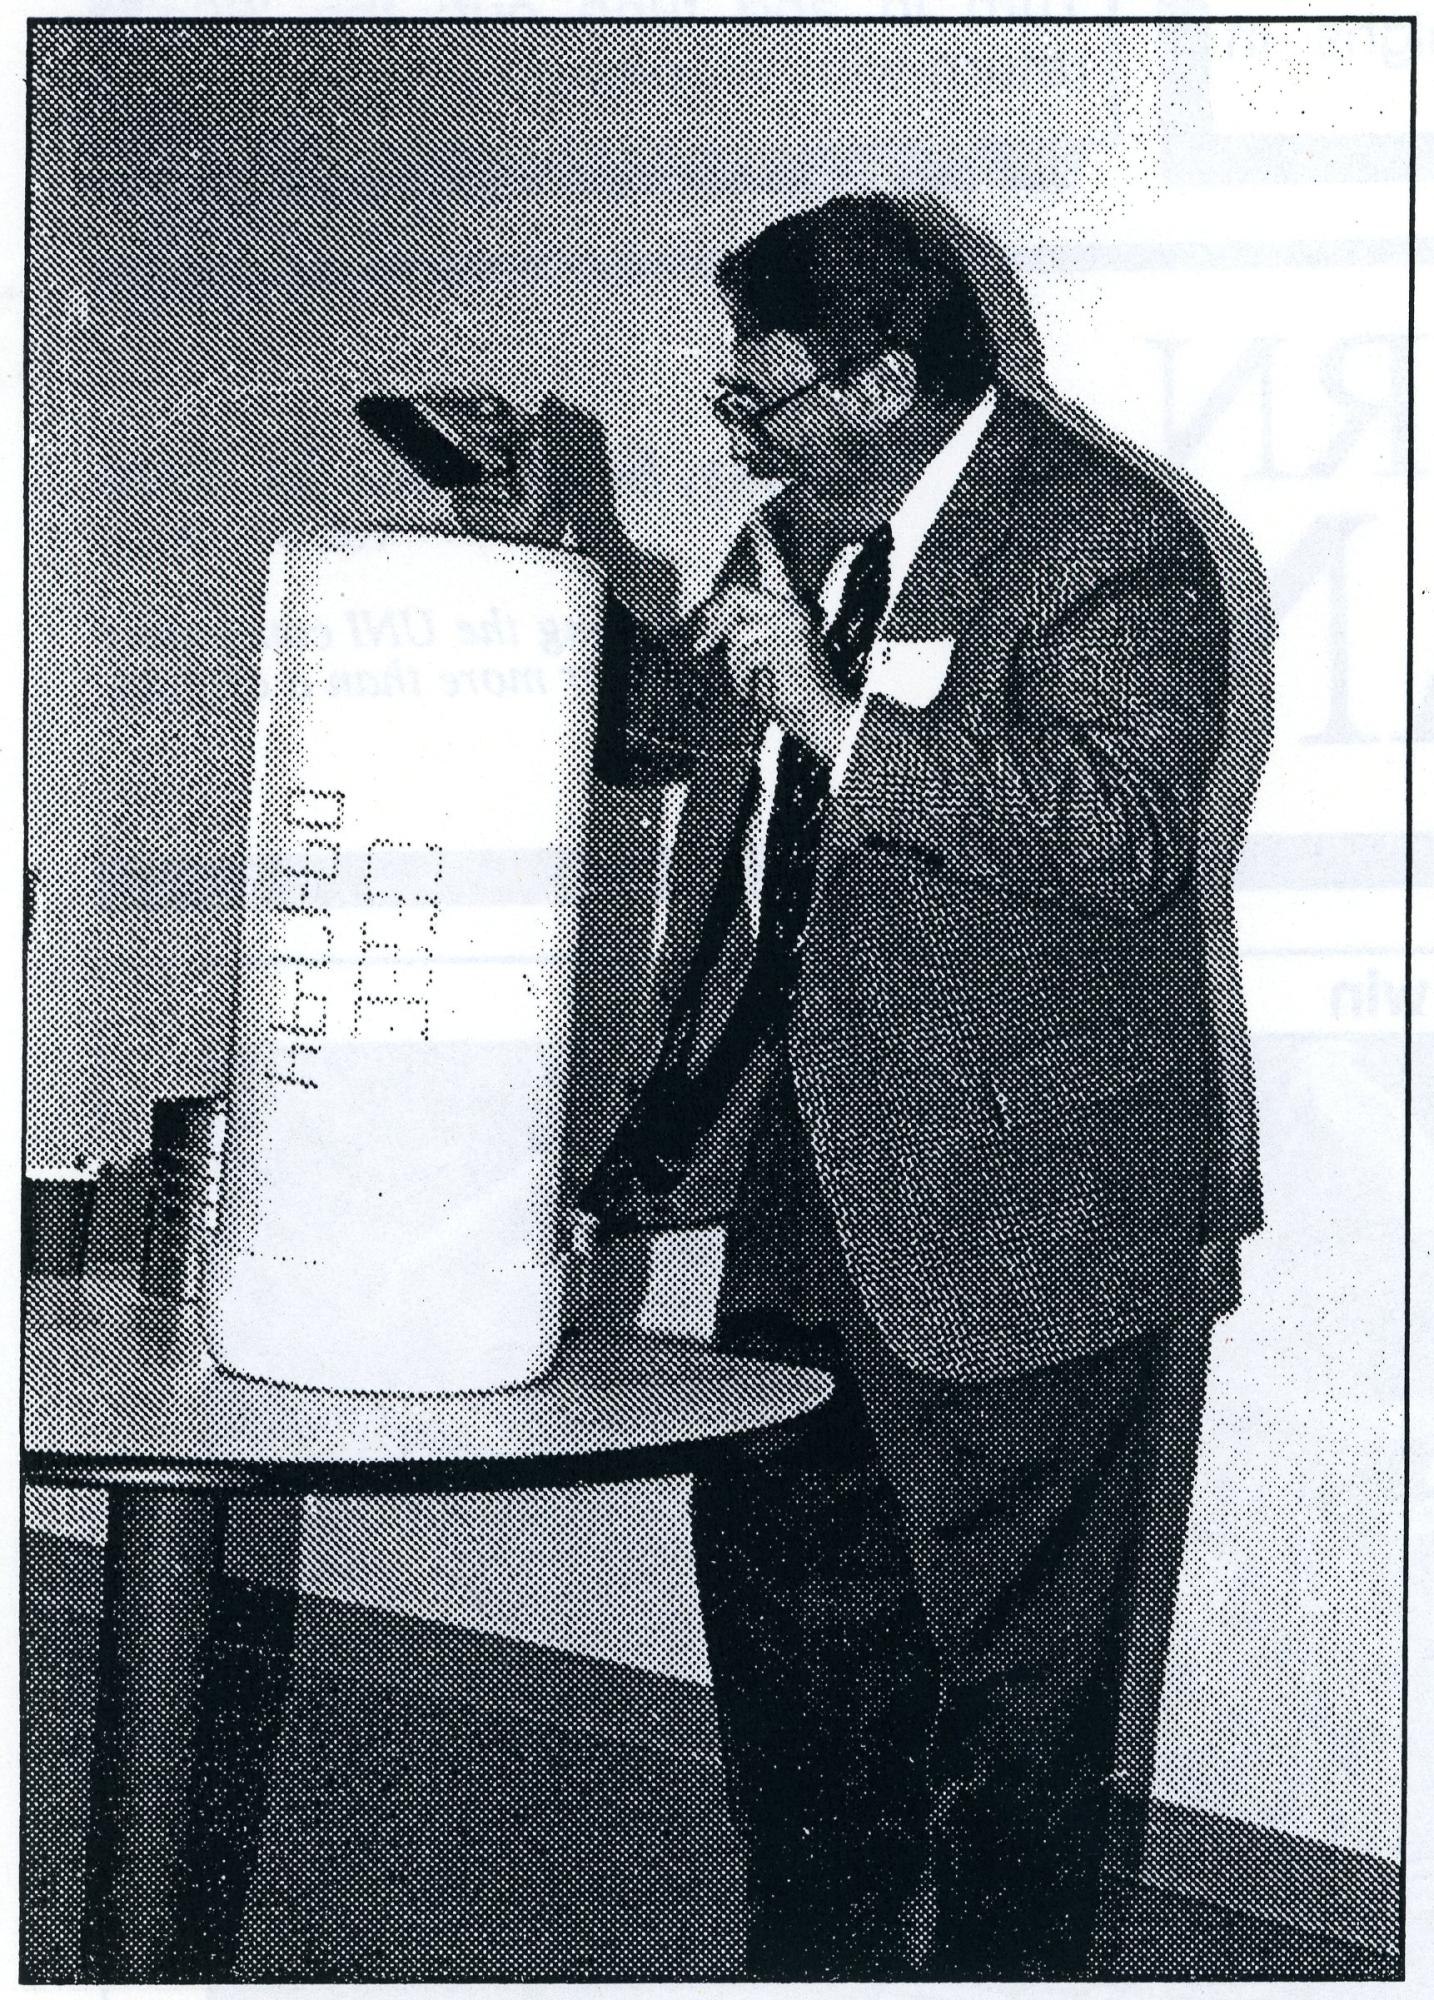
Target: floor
{"points": [[451, 1806]]}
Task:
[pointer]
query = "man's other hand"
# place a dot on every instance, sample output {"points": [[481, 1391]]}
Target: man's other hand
{"points": [[774, 651]]}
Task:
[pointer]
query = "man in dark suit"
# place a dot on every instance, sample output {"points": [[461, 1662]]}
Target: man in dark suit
{"points": [[932, 1033]]}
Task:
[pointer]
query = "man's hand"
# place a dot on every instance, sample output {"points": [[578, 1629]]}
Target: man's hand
{"points": [[561, 488], [561, 496], [774, 652]]}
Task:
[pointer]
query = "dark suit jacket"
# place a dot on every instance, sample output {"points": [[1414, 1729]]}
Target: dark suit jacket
{"points": [[1001, 1041]]}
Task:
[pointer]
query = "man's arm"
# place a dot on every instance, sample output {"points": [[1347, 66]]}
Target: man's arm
{"points": [[666, 698], [1087, 791], [655, 705]]}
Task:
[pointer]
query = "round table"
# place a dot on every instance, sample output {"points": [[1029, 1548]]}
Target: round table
{"points": [[120, 1394]]}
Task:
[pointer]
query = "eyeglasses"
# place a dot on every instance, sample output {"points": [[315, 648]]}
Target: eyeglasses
{"points": [[735, 403]]}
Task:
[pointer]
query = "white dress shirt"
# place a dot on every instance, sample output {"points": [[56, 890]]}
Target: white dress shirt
{"points": [[911, 522]]}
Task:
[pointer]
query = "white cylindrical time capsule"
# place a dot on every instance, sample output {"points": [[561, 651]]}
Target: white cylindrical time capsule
{"points": [[398, 1082]]}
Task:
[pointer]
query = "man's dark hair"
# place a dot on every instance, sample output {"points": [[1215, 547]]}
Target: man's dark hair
{"points": [[859, 276]]}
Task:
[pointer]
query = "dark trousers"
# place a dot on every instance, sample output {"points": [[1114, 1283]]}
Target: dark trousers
{"points": [[917, 1631]]}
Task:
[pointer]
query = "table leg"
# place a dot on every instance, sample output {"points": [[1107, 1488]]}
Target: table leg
{"points": [[194, 1670], [161, 1562], [243, 1712]]}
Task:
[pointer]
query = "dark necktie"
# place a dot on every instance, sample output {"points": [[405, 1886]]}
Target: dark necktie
{"points": [[802, 789], [654, 1146]]}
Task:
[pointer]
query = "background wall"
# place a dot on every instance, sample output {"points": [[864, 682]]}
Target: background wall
{"points": [[237, 228]]}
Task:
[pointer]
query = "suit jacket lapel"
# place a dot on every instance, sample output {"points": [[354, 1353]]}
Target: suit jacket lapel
{"points": [[948, 579], [951, 574]]}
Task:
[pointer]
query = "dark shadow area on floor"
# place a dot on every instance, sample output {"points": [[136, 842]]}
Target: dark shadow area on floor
{"points": [[448, 1805]]}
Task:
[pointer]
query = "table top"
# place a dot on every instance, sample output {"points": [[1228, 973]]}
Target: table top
{"points": [[120, 1390]]}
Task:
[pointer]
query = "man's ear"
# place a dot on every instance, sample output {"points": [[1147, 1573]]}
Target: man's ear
{"points": [[884, 390]]}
